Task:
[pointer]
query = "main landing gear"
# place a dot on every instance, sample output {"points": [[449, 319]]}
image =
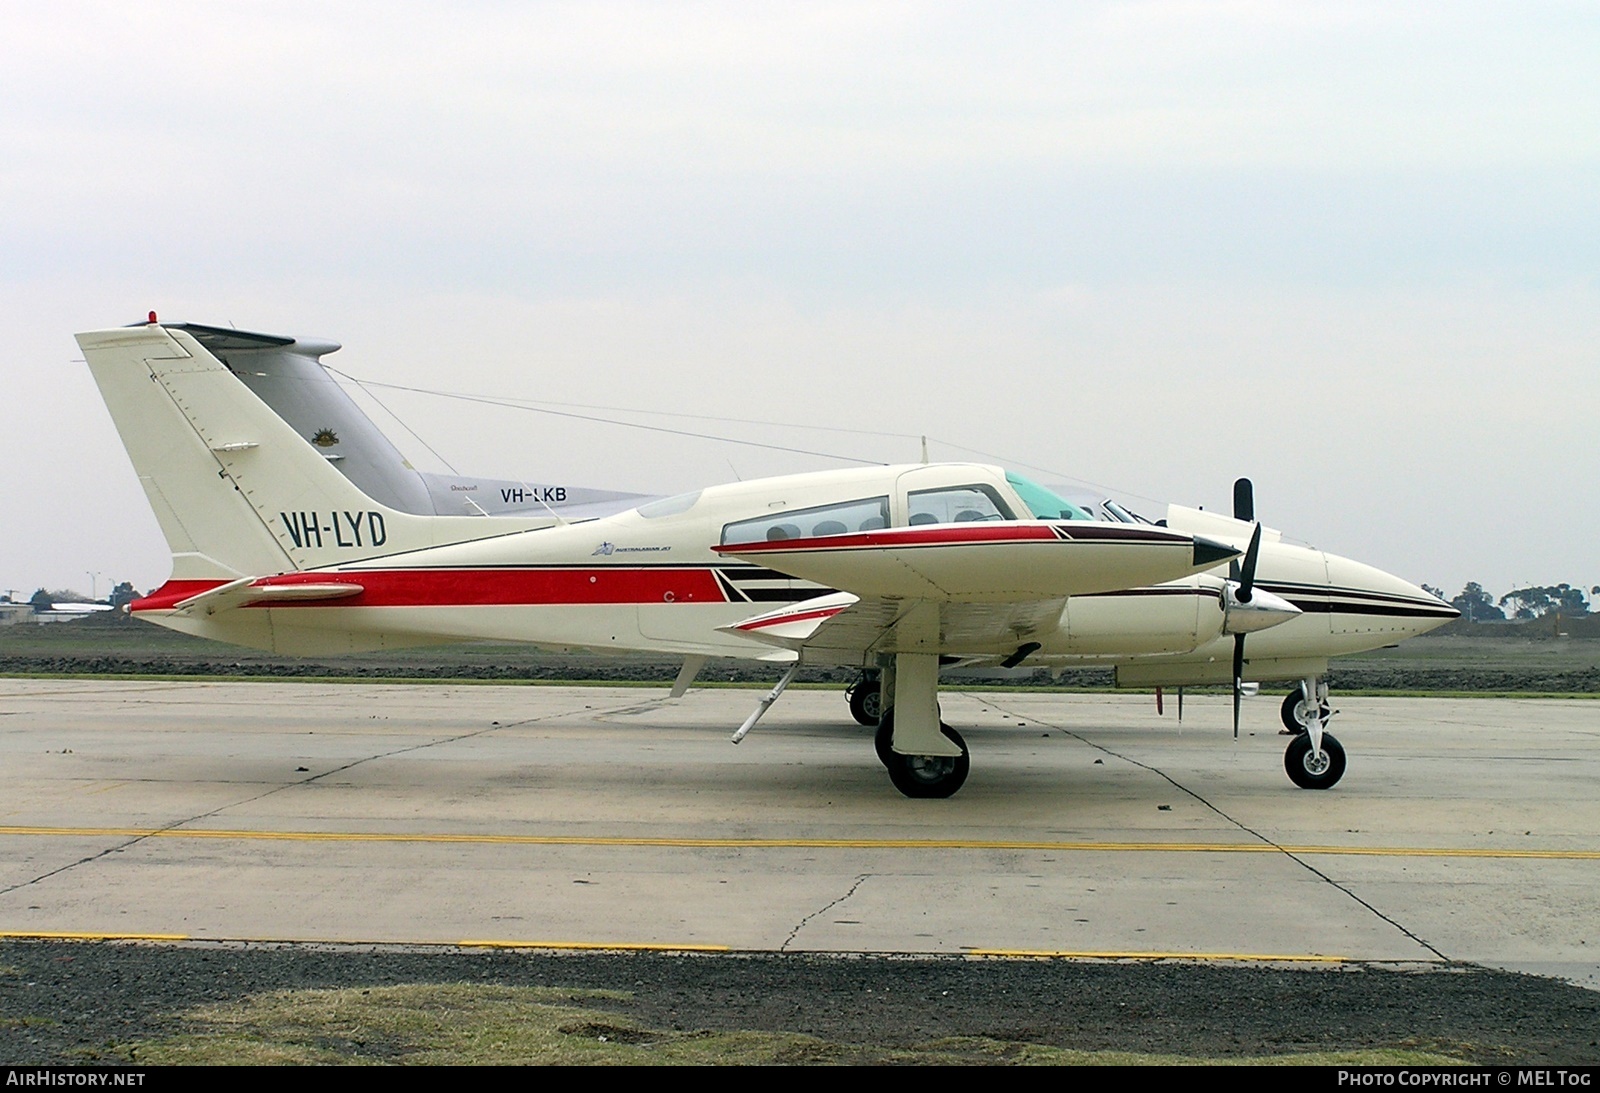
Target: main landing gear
{"points": [[922, 775], [924, 756], [1314, 759]]}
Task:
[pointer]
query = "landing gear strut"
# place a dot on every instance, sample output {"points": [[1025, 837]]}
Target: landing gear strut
{"points": [[924, 756], [1314, 759]]}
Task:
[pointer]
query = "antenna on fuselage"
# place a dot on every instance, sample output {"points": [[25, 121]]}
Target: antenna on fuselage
{"points": [[560, 520], [924, 449]]}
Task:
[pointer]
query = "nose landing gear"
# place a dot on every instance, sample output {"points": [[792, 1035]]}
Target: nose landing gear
{"points": [[1314, 759], [1296, 710]]}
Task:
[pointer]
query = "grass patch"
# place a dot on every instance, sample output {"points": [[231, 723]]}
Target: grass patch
{"points": [[455, 1024]]}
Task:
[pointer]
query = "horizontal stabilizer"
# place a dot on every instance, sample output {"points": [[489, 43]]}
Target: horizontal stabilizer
{"points": [[264, 591]]}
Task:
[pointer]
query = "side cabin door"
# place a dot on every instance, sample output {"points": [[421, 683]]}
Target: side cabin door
{"points": [[952, 495]]}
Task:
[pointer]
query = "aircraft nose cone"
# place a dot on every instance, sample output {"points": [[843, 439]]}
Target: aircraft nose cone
{"points": [[1376, 601]]}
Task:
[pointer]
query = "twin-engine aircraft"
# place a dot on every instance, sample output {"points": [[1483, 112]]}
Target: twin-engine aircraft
{"points": [[288, 536]]}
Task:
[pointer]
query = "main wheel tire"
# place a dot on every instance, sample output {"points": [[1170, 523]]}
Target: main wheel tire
{"points": [[866, 702], [1309, 773], [1290, 710], [930, 776], [883, 739]]}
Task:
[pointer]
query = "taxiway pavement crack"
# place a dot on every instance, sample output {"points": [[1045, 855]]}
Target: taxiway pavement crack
{"points": [[1240, 824], [824, 909]]}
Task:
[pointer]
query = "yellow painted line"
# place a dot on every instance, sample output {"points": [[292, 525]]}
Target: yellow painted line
{"points": [[664, 947], [1086, 954], [793, 844], [75, 935], [597, 946], [573, 946]]}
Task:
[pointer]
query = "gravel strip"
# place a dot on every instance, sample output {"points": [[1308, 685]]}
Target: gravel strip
{"points": [[71, 1002]]}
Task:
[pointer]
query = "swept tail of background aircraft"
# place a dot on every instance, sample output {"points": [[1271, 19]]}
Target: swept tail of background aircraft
{"points": [[288, 375]]}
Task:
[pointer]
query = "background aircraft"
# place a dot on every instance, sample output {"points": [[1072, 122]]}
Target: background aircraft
{"points": [[280, 543]]}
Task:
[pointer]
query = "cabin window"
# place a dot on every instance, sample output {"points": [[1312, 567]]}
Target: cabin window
{"points": [[842, 519], [957, 505]]}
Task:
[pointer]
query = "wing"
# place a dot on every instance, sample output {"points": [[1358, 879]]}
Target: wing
{"points": [[997, 586], [996, 563]]}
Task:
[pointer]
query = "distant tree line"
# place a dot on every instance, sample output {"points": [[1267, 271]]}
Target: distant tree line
{"points": [[1533, 602]]}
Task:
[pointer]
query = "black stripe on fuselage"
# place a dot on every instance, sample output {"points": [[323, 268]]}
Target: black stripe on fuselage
{"points": [[786, 595], [1189, 591], [1389, 610], [730, 590], [1286, 589]]}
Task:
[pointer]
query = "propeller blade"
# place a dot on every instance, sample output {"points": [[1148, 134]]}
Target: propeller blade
{"points": [[1238, 679], [1247, 573], [1244, 500]]}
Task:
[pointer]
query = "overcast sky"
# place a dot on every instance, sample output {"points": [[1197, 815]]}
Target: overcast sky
{"points": [[1349, 250]]}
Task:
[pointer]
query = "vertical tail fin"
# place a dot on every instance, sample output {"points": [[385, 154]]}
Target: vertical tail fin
{"points": [[236, 491]]}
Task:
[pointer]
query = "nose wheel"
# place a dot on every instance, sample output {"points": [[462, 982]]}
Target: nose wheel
{"points": [[1310, 769], [1314, 759]]}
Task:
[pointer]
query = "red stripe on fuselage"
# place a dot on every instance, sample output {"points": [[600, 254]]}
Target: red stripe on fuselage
{"points": [[782, 620], [171, 593], [480, 587]]}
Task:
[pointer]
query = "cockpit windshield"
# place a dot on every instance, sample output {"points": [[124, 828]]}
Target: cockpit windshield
{"points": [[1045, 504], [1122, 515]]}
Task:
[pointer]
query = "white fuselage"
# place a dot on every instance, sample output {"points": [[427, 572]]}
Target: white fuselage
{"points": [[649, 580]]}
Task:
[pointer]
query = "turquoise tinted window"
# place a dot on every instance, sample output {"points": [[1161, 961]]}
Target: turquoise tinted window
{"points": [[1046, 504]]}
